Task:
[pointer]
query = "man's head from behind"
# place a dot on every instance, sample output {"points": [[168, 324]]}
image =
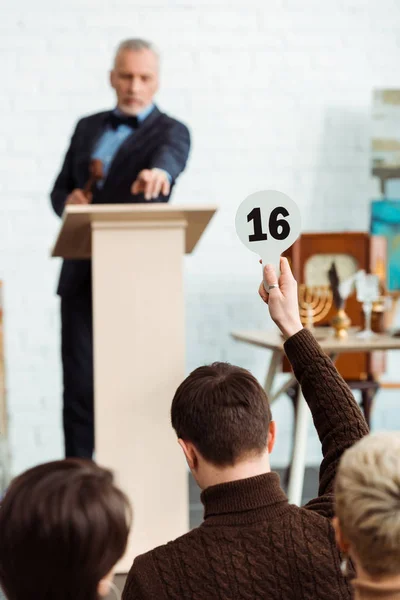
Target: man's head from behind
{"points": [[222, 418], [135, 75], [63, 527]]}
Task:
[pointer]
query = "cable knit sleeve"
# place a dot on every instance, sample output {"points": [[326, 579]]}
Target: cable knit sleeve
{"points": [[337, 416]]}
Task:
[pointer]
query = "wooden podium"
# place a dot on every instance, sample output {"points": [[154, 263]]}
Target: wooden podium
{"points": [[139, 351]]}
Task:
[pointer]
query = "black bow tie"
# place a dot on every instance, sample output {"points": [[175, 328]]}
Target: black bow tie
{"points": [[116, 120]]}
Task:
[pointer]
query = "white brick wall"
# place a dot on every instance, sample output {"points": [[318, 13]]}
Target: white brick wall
{"points": [[277, 94]]}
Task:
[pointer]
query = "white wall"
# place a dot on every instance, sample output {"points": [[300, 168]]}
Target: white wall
{"points": [[277, 94]]}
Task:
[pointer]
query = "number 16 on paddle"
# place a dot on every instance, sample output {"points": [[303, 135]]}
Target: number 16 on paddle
{"points": [[268, 223]]}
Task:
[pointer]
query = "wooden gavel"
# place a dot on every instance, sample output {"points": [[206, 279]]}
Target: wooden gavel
{"points": [[95, 175]]}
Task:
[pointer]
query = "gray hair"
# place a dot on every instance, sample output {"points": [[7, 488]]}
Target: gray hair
{"points": [[367, 492], [136, 45]]}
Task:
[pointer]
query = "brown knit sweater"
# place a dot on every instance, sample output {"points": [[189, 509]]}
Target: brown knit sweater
{"points": [[253, 544]]}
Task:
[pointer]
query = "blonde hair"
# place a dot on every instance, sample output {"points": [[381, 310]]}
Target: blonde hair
{"points": [[367, 496]]}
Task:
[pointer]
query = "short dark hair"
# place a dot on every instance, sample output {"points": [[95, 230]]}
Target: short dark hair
{"points": [[223, 411], [63, 527]]}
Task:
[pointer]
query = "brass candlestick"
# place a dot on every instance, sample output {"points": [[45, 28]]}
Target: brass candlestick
{"points": [[341, 324], [315, 303]]}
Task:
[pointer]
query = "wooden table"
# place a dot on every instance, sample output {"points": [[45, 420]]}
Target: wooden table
{"points": [[272, 340]]}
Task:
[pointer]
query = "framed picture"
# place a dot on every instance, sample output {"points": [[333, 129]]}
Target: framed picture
{"points": [[385, 221], [385, 212], [386, 141]]}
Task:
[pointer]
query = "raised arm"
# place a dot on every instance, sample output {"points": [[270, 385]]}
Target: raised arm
{"points": [[337, 416]]}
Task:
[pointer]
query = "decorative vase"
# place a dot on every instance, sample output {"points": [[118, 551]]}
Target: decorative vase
{"points": [[341, 324]]}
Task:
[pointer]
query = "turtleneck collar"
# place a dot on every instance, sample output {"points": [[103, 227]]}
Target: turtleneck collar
{"points": [[244, 500]]}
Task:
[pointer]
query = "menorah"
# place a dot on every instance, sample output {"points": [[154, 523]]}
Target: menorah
{"points": [[315, 302]]}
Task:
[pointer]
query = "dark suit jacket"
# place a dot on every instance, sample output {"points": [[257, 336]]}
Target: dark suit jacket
{"points": [[160, 142]]}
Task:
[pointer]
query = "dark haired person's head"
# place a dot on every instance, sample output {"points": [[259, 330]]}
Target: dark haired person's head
{"points": [[223, 421], [63, 527]]}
